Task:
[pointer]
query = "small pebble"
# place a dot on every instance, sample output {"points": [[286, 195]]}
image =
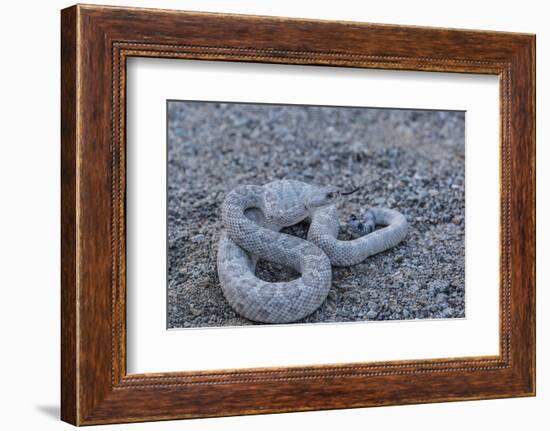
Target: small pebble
{"points": [[198, 238], [372, 314]]}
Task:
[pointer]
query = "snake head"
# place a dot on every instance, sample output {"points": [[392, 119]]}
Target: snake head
{"points": [[322, 197]]}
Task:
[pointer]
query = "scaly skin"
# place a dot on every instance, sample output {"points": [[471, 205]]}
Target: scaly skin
{"points": [[252, 217]]}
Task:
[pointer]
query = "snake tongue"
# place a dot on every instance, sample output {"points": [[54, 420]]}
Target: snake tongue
{"points": [[350, 193]]}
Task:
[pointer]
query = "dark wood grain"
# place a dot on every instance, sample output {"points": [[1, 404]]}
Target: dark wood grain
{"points": [[96, 41], [69, 398]]}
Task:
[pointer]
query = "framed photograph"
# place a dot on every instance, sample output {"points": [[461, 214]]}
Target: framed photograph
{"points": [[264, 214]]}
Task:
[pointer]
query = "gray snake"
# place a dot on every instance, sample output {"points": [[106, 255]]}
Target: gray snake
{"points": [[253, 216]]}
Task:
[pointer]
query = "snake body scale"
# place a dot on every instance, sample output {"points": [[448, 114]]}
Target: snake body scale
{"points": [[253, 217]]}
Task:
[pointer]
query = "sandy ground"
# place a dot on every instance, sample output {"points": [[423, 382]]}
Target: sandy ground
{"points": [[412, 161]]}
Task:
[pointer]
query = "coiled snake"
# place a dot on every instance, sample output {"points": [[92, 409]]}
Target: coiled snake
{"points": [[253, 216]]}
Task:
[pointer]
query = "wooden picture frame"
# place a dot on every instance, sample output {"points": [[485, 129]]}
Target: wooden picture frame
{"points": [[95, 43]]}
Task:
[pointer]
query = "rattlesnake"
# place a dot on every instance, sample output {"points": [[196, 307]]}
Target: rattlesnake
{"points": [[253, 216]]}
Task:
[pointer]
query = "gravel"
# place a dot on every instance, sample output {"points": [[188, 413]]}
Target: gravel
{"points": [[409, 160]]}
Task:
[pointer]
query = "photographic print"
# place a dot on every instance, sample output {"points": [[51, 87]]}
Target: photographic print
{"points": [[240, 213], [282, 214]]}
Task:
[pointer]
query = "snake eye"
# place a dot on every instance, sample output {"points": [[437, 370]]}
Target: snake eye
{"points": [[330, 195]]}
